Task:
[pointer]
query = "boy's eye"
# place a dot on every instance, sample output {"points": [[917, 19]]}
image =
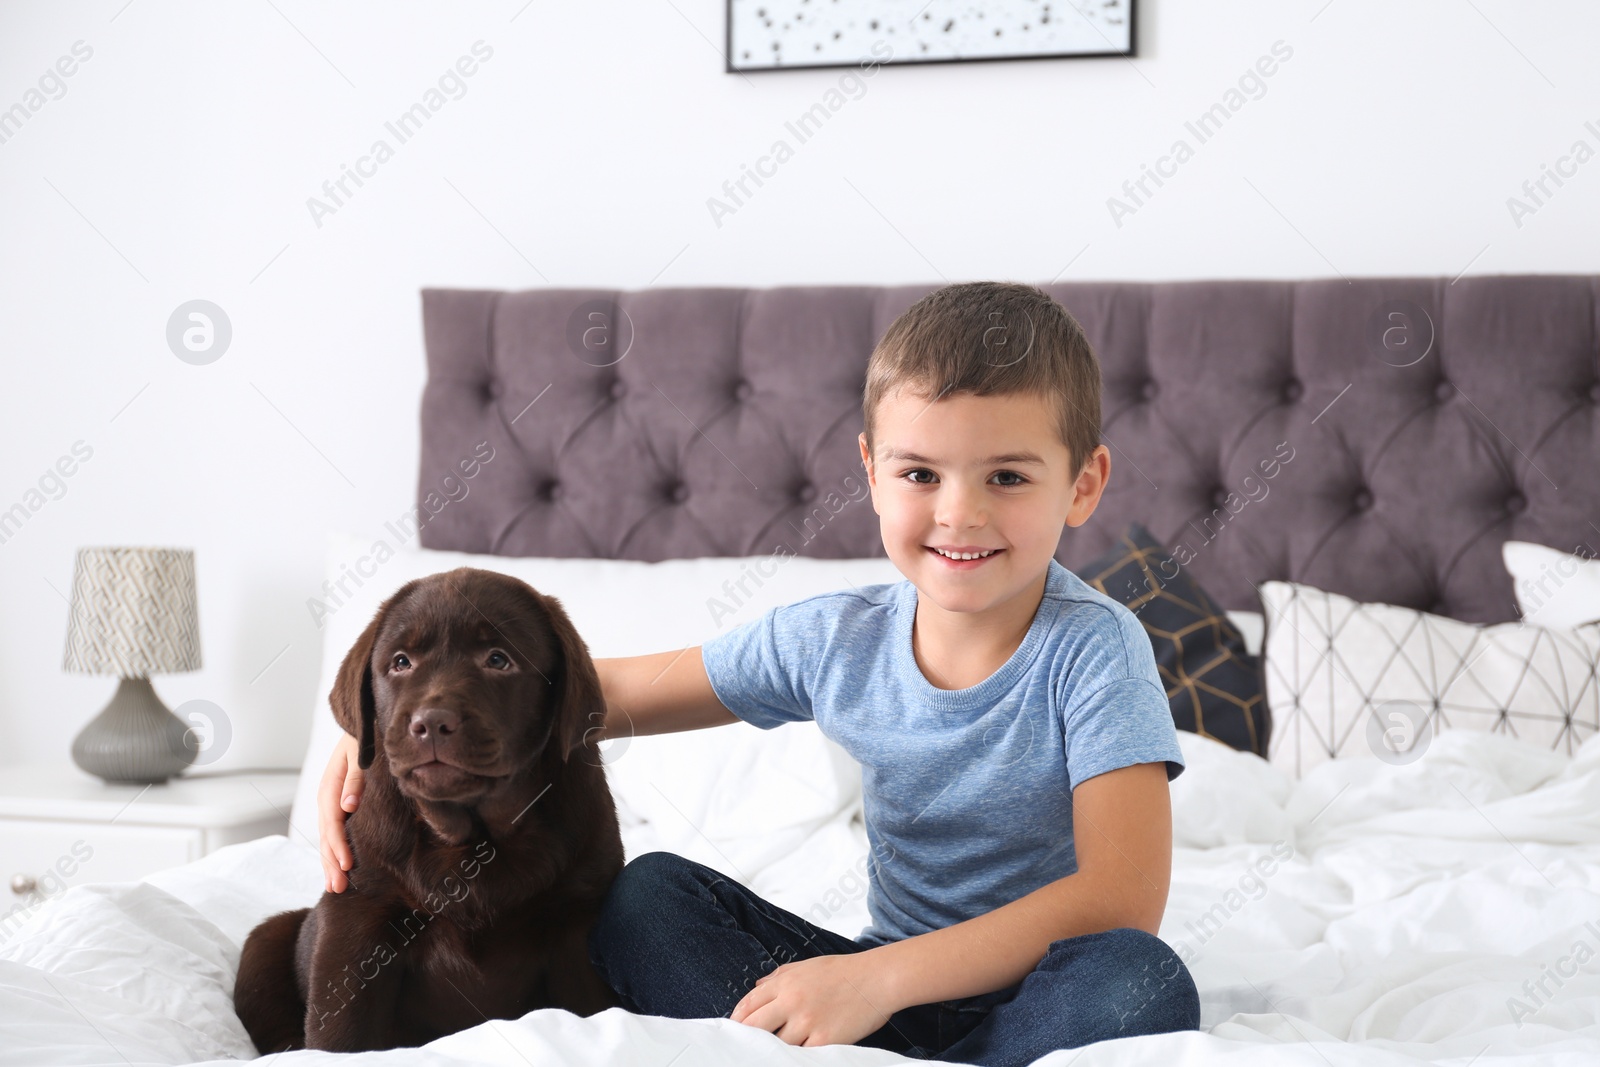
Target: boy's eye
{"points": [[911, 475]]}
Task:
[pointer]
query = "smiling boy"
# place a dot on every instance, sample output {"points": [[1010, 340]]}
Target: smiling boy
{"points": [[1014, 737]]}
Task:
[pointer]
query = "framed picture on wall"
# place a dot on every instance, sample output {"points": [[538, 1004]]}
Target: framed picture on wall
{"points": [[802, 34]]}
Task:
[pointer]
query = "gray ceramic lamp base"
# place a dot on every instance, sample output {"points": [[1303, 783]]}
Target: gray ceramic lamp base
{"points": [[135, 740]]}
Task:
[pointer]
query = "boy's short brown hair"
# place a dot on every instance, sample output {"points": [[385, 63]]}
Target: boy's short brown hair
{"points": [[992, 339]]}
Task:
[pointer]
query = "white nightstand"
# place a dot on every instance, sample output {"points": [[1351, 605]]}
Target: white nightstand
{"points": [[61, 827]]}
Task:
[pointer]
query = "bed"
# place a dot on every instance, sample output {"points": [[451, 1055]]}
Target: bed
{"points": [[672, 461]]}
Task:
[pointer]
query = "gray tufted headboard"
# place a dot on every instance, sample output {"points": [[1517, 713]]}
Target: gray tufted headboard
{"points": [[1409, 426]]}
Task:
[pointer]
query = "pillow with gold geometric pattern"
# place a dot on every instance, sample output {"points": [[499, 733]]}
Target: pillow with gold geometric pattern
{"points": [[1213, 683]]}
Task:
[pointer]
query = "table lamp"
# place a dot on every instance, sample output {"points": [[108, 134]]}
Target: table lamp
{"points": [[133, 614]]}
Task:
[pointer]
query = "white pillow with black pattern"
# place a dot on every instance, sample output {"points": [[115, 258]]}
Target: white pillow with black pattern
{"points": [[1344, 678]]}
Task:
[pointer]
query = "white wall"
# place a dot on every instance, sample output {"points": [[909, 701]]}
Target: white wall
{"points": [[179, 162]]}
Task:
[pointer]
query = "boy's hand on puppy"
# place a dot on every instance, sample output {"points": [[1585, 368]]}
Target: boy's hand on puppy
{"points": [[824, 1000], [340, 792]]}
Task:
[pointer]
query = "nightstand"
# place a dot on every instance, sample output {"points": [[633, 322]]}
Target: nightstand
{"points": [[61, 827]]}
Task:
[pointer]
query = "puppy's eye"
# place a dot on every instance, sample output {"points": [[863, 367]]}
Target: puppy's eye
{"points": [[499, 660], [401, 662]]}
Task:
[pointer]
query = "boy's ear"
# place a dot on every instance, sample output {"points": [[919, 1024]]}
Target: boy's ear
{"points": [[1090, 485]]}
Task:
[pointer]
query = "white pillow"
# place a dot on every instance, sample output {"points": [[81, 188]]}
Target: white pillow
{"points": [[1345, 678], [1251, 626], [1227, 797], [1553, 588], [736, 794]]}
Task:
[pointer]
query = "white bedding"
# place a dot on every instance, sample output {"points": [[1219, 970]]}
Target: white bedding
{"points": [[1368, 914]]}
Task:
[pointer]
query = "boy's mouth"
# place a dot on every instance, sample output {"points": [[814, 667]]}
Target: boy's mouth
{"points": [[963, 557]]}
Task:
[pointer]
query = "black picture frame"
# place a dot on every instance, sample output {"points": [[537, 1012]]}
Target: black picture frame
{"points": [[732, 66]]}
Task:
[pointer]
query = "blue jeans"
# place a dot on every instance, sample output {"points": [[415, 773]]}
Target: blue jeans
{"points": [[676, 938]]}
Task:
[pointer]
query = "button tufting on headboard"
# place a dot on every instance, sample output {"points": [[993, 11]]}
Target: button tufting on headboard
{"points": [[1284, 408]]}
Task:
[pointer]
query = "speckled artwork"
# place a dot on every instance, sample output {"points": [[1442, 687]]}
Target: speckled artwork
{"points": [[785, 34]]}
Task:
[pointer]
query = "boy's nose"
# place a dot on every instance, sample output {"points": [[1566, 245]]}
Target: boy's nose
{"points": [[960, 505]]}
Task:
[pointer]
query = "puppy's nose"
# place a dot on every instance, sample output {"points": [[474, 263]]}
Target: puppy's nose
{"points": [[434, 723]]}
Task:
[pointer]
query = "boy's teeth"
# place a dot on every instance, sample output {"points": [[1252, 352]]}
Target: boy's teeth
{"points": [[964, 555]]}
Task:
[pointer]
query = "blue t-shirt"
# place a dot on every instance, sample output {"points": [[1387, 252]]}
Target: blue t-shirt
{"points": [[967, 793]]}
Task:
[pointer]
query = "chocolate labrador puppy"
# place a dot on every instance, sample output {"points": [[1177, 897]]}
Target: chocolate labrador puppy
{"points": [[485, 840]]}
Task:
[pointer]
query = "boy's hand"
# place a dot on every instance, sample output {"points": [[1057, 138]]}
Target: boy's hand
{"points": [[825, 1000], [339, 792]]}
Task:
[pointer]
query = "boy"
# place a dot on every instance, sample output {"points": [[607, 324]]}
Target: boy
{"points": [[1014, 736]]}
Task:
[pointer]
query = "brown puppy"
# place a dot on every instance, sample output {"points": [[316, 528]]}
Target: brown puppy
{"points": [[485, 840]]}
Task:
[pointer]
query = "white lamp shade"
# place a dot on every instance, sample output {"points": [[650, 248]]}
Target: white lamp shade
{"points": [[133, 613]]}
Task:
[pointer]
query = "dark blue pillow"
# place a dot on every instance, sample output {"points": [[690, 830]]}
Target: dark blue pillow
{"points": [[1213, 684]]}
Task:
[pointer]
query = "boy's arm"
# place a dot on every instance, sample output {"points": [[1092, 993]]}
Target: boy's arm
{"points": [[658, 693], [1122, 822], [1122, 830]]}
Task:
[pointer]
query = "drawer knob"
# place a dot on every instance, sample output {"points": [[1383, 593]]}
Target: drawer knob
{"points": [[23, 884]]}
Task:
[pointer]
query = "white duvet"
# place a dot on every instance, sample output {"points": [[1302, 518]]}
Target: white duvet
{"points": [[1446, 911]]}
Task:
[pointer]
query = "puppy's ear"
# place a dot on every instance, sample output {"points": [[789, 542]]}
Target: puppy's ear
{"points": [[579, 705], [351, 698]]}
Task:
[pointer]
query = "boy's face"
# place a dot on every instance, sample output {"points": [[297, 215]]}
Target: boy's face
{"points": [[975, 473]]}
